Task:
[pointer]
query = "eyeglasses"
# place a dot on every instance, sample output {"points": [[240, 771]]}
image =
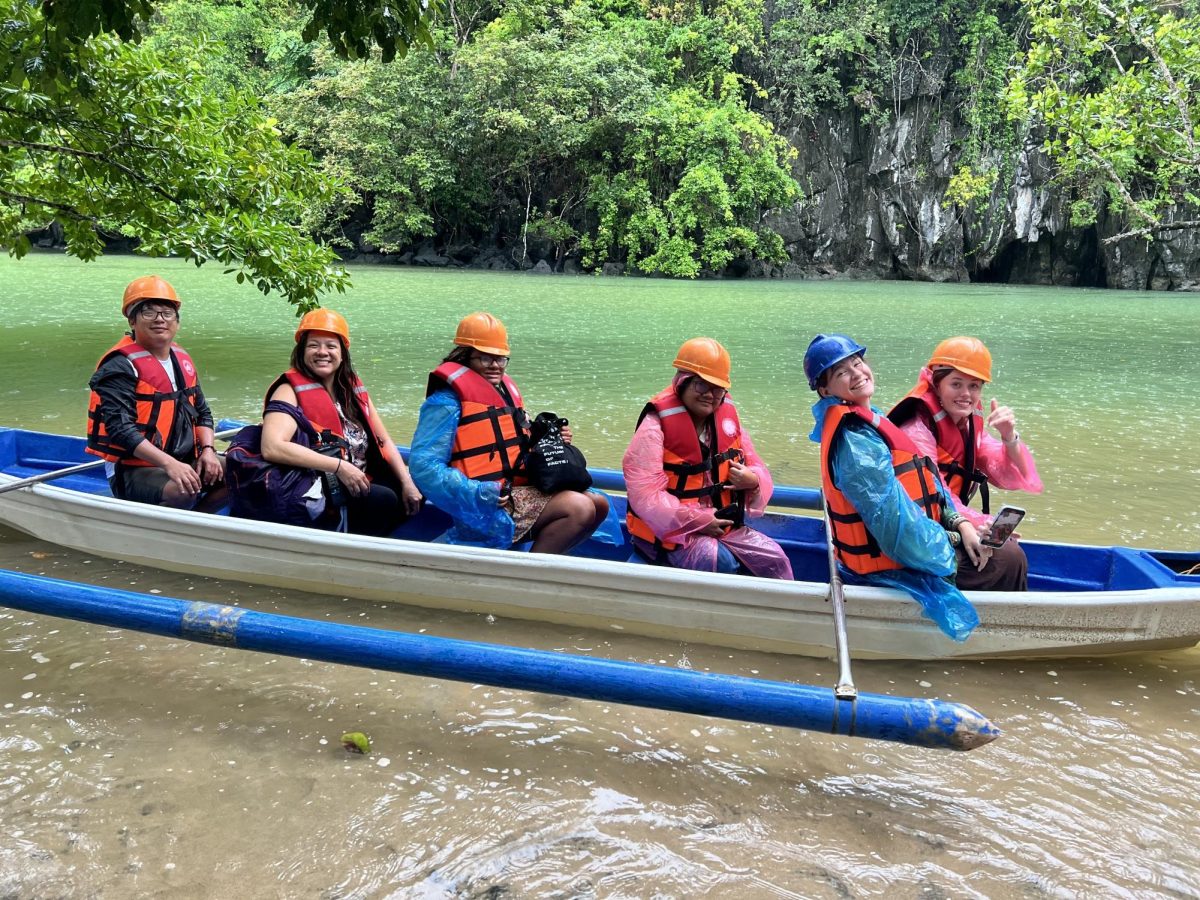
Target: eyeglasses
{"points": [[703, 387], [149, 315], [487, 360]]}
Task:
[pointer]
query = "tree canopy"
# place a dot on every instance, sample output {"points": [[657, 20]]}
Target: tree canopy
{"points": [[352, 27], [606, 133], [660, 136], [1116, 88], [106, 137]]}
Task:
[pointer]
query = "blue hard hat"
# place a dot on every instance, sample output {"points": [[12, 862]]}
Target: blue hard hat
{"points": [[825, 352]]}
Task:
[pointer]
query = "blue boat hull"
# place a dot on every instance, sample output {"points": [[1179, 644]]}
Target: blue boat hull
{"points": [[1083, 600]]}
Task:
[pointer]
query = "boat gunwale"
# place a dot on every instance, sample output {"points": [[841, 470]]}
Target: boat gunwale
{"points": [[550, 565]]}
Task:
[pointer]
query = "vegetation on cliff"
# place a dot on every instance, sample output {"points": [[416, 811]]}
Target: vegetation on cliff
{"points": [[652, 135]]}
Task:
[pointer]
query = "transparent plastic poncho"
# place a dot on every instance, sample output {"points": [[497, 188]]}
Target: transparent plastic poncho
{"points": [[862, 469]]}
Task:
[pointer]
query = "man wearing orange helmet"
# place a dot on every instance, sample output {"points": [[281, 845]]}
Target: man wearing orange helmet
{"points": [[469, 446], [147, 416], [693, 476], [943, 416]]}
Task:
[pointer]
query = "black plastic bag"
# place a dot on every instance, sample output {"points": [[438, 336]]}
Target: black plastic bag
{"points": [[551, 464]]}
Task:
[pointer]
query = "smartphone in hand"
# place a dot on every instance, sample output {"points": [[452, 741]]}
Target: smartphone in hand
{"points": [[1003, 526]]}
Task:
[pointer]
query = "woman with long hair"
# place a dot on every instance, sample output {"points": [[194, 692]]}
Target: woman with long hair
{"points": [[367, 488]]}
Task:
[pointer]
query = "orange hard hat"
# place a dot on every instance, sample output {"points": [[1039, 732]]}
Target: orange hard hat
{"points": [[148, 287], [967, 354], [484, 332], [324, 320], [704, 357]]}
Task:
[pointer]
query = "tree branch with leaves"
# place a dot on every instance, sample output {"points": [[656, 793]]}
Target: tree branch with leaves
{"points": [[1116, 88]]}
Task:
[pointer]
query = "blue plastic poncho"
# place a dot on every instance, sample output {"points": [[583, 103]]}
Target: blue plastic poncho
{"points": [[862, 468], [479, 520]]}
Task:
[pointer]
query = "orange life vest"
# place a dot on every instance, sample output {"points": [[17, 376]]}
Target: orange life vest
{"points": [[318, 406], [156, 402], [492, 433], [957, 458], [855, 547], [684, 460]]}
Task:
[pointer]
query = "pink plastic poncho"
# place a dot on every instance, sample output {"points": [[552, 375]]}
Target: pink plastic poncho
{"points": [[678, 522], [992, 460]]}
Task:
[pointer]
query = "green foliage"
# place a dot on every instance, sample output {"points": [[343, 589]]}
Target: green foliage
{"points": [[132, 144], [1117, 90], [967, 186], [876, 54], [353, 27], [625, 136], [689, 185], [989, 48], [252, 46]]}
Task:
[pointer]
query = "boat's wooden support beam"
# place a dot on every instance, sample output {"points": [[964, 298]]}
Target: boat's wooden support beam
{"points": [[908, 720]]}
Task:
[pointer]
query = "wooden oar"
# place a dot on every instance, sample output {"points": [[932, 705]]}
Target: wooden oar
{"points": [[84, 467], [845, 689]]}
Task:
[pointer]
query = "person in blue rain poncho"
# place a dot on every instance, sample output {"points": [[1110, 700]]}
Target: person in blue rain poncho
{"points": [[467, 455], [892, 520]]}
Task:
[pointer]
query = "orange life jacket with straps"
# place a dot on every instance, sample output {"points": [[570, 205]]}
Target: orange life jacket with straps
{"points": [[492, 432], [956, 458], [318, 406], [686, 461], [156, 402], [856, 549]]}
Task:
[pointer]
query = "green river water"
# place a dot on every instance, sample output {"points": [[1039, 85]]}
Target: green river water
{"points": [[136, 766], [1104, 384]]}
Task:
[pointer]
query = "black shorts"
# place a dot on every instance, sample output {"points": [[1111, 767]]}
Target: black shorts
{"points": [[141, 484]]}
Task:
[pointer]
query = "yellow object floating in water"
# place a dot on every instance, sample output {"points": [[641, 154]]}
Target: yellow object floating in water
{"points": [[356, 742]]}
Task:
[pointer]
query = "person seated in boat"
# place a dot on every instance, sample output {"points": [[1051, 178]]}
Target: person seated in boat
{"points": [[371, 491], [693, 476], [943, 416], [468, 447], [147, 415], [889, 515]]}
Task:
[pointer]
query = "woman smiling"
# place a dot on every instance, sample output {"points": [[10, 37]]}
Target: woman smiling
{"points": [[694, 477], [322, 394], [943, 416]]}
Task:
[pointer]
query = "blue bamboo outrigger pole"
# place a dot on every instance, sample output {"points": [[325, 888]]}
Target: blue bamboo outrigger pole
{"points": [[908, 720]]}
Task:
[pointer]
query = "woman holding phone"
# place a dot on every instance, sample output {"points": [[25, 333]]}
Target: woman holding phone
{"points": [[943, 415]]}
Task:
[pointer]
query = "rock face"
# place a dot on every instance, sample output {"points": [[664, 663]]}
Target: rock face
{"points": [[873, 206]]}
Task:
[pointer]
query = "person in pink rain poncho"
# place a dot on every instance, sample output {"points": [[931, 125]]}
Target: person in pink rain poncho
{"points": [[693, 477], [943, 415]]}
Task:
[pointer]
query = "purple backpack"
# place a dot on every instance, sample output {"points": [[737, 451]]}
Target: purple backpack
{"points": [[263, 490]]}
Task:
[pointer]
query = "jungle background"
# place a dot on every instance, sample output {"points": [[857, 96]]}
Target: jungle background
{"points": [[1047, 141]]}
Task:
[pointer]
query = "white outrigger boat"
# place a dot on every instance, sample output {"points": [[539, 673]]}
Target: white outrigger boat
{"points": [[1083, 601]]}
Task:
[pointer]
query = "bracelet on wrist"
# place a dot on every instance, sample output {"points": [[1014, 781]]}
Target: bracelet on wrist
{"points": [[339, 467], [1016, 436], [204, 447]]}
